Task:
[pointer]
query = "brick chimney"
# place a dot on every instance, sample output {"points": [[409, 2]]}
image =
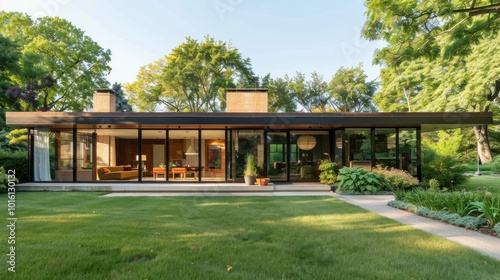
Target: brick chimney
{"points": [[104, 100], [251, 100]]}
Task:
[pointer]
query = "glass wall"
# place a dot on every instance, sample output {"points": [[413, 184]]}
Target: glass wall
{"points": [[358, 147], [338, 147], [117, 155], [63, 155], [385, 147], [245, 141], [213, 155], [184, 156], [307, 149], [407, 159], [84, 157], [277, 155], [201, 155], [154, 148]]}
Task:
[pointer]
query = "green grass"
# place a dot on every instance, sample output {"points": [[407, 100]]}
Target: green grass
{"points": [[84, 236], [489, 183]]}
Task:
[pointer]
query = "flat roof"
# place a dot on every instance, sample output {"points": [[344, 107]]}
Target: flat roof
{"points": [[277, 121], [246, 90]]}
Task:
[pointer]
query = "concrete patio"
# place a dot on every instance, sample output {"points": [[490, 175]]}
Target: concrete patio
{"points": [[193, 188]]}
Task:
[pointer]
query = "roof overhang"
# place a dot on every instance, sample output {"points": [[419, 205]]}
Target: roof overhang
{"points": [[157, 120]]}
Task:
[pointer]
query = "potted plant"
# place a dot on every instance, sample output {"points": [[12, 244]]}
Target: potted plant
{"points": [[250, 172], [262, 181]]}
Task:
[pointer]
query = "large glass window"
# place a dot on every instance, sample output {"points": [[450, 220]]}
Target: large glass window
{"points": [[277, 155], [213, 155], [307, 149], [184, 156], [84, 155], [385, 147], [245, 142], [153, 159], [407, 159], [358, 147], [338, 147], [117, 155], [63, 155]]}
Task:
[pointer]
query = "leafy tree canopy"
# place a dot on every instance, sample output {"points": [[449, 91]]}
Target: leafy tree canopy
{"points": [[349, 91], [192, 78], [441, 56], [413, 28], [53, 47], [9, 58]]}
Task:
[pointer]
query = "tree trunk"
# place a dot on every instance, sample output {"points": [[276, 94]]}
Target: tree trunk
{"points": [[483, 144]]}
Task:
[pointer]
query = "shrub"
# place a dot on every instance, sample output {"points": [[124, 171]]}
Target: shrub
{"points": [[328, 172], [433, 185], [445, 169], [396, 179], [18, 161], [496, 164], [3, 180], [357, 180]]}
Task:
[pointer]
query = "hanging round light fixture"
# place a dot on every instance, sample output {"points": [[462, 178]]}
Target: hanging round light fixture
{"points": [[306, 142]]}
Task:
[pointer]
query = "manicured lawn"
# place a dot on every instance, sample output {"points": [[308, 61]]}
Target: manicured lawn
{"points": [[84, 236], [489, 183]]}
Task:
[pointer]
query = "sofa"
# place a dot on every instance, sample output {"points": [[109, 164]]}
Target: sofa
{"points": [[116, 173]]}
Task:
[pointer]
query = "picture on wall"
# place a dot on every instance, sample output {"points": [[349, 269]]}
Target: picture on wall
{"points": [[214, 157]]}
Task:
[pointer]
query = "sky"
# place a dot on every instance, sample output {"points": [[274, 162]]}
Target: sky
{"points": [[279, 37]]}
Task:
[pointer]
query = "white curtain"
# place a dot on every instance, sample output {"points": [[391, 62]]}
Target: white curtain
{"points": [[41, 168]]}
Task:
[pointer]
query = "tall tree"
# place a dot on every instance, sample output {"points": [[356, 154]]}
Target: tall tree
{"points": [[456, 43], [193, 78], [52, 46], [146, 93], [399, 86], [9, 59], [413, 28], [279, 95], [349, 91], [122, 104], [310, 95]]}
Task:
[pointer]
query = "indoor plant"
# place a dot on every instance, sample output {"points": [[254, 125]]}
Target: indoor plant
{"points": [[250, 172]]}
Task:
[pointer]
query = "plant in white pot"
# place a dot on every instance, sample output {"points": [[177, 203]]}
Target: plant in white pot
{"points": [[250, 172]]}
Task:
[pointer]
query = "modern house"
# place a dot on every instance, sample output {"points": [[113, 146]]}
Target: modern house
{"points": [[105, 145]]}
